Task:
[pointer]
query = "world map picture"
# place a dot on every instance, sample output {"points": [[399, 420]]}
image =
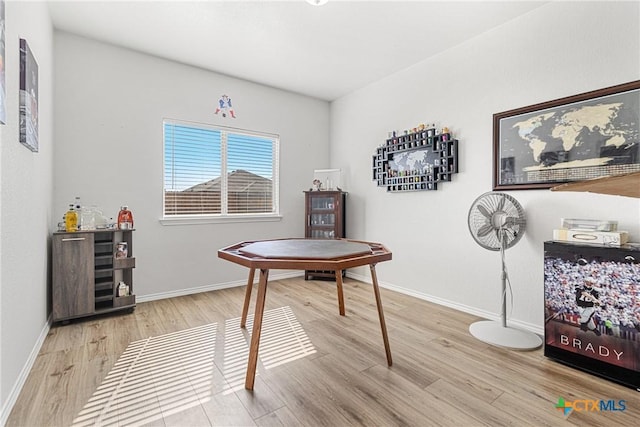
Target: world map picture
{"points": [[419, 161], [572, 142]]}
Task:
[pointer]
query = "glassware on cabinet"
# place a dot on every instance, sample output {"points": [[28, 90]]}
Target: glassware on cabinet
{"points": [[71, 219], [125, 218]]}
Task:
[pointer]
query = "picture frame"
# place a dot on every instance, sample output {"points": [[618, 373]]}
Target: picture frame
{"points": [[579, 137], [28, 98], [3, 92]]}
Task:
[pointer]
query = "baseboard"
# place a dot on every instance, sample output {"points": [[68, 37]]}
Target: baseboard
{"points": [[451, 304], [24, 373], [207, 288]]}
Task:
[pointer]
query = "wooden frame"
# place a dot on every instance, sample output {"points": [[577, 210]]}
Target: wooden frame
{"points": [[570, 139]]}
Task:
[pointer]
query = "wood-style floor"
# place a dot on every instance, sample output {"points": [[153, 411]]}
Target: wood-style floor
{"points": [[181, 362]]}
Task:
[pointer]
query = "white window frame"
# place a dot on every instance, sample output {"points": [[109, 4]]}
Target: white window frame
{"points": [[224, 217]]}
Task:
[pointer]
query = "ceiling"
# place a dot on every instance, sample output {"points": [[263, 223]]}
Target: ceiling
{"points": [[321, 51]]}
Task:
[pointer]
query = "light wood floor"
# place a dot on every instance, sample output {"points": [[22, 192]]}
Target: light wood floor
{"points": [[181, 362]]}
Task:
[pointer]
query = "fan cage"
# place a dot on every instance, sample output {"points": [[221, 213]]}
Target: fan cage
{"points": [[496, 219]]}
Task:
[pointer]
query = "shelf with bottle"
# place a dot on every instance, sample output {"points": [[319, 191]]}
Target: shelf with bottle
{"points": [[84, 218], [416, 140], [323, 219]]}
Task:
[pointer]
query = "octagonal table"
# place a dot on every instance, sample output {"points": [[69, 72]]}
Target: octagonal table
{"points": [[302, 254]]}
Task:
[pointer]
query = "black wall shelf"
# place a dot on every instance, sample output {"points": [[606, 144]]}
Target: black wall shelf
{"points": [[415, 161]]}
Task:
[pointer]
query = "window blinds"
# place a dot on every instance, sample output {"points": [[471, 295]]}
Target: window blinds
{"points": [[214, 171]]}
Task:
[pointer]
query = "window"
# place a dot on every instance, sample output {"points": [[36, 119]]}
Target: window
{"points": [[219, 172]]}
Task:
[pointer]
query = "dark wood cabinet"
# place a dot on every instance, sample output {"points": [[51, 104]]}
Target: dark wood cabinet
{"points": [[87, 273], [325, 219], [324, 212]]}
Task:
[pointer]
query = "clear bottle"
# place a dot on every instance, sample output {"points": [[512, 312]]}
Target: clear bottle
{"points": [[71, 219], [87, 220], [78, 208], [99, 220], [125, 218]]}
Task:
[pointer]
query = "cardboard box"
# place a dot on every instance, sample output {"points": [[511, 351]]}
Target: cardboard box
{"points": [[610, 238]]}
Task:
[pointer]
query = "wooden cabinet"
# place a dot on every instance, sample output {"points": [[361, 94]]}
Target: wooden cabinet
{"points": [[73, 285], [86, 273], [325, 219], [324, 214]]}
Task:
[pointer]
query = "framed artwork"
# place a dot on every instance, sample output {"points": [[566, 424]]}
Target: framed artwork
{"points": [[28, 97], [3, 92], [576, 138]]}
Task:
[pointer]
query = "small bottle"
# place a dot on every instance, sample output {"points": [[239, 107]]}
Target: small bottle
{"points": [[78, 208], [125, 218], [71, 219], [122, 289], [87, 221]]}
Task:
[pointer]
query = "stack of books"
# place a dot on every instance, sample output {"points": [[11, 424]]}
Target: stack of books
{"points": [[590, 231]]}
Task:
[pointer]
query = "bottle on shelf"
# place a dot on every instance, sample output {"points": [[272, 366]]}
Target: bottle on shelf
{"points": [[99, 219], [87, 221], [82, 222], [71, 219], [125, 218]]}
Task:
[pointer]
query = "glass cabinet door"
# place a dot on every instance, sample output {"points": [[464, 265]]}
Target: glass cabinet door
{"points": [[323, 234], [323, 219], [324, 215], [320, 202]]}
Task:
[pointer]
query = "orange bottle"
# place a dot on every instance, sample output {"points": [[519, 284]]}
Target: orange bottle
{"points": [[125, 218]]}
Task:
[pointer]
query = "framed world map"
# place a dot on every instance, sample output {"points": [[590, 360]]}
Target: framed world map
{"points": [[580, 137]]}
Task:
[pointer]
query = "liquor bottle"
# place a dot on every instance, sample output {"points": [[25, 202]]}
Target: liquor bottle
{"points": [[71, 219], [125, 218], [78, 208]]}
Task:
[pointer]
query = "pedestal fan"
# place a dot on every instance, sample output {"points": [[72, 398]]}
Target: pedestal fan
{"points": [[497, 222]]}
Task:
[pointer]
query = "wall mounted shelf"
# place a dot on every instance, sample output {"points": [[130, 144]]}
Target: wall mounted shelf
{"points": [[415, 161]]}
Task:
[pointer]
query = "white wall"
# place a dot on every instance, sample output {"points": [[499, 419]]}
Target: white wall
{"points": [[25, 210], [110, 103], [557, 50]]}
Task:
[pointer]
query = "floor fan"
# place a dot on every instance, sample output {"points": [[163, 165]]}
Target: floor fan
{"points": [[497, 222]]}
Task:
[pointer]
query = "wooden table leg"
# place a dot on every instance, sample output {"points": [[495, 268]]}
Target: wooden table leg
{"points": [[257, 327], [383, 326], [247, 298], [340, 295]]}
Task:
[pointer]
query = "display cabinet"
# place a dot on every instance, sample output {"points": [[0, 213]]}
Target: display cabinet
{"points": [[591, 302], [415, 161], [325, 219], [86, 273]]}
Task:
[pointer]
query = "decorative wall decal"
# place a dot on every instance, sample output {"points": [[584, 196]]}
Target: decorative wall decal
{"points": [[225, 107], [28, 97]]}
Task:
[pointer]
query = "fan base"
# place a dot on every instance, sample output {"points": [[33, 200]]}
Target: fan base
{"points": [[494, 333]]}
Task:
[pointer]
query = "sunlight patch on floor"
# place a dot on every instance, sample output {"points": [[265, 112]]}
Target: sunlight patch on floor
{"points": [[153, 378], [167, 374], [282, 340]]}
